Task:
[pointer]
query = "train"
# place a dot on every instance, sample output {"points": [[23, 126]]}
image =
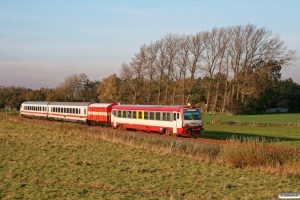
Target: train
{"points": [[180, 120]]}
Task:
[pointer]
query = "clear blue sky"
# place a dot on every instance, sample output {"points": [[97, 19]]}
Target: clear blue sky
{"points": [[50, 40]]}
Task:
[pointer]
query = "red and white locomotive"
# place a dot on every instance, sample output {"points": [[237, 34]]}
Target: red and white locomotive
{"points": [[180, 120]]}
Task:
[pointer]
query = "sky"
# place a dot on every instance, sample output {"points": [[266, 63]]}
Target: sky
{"points": [[47, 41]]}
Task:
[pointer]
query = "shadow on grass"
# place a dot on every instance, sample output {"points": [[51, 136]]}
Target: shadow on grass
{"points": [[221, 135]]}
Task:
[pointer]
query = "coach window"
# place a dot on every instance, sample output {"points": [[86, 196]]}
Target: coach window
{"points": [[140, 114], [166, 116], [151, 115], [134, 114], [124, 114], [145, 115], [73, 110], [129, 114], [157, 115], [119, 113], [76, 110]]}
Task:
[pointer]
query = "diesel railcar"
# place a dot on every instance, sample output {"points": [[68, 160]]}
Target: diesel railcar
{"points": [[179, 120]]}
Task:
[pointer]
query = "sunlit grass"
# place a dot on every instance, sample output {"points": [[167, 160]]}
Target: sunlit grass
{"points": [[279, 119], [51, 160]]}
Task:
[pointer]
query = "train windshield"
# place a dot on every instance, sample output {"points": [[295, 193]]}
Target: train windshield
{"points": [[192, 114]]}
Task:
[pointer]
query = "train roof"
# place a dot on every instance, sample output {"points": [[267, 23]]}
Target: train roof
{"points": [[70, 103], [151, 107], [101, 104], [36, 102]]}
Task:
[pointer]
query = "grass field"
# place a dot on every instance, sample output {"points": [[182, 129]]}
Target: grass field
{"points": [[50, 160], [278, 119], [287, 136]]}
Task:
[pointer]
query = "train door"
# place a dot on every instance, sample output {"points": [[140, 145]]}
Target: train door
{"points": [[175, 121], [113, 118]]}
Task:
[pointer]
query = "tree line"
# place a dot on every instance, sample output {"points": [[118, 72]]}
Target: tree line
{"points": [[225, 70]]}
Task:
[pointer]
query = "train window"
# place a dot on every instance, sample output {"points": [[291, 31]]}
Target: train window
{"points": [[40, 109], [129, 114], [145, 115], [84, 111], [76, 110], [65, 110], [124, 114], [140, 114], [119, 113], [134, 114], [151, 115], [114, 113], [166, 116], [79, 111], [157, 115], [169, 117]]}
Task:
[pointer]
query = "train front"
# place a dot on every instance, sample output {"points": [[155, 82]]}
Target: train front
{"points": [[192, 122]]}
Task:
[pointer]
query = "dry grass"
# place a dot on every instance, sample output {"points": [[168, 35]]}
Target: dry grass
{"points": [[50, 160]]}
